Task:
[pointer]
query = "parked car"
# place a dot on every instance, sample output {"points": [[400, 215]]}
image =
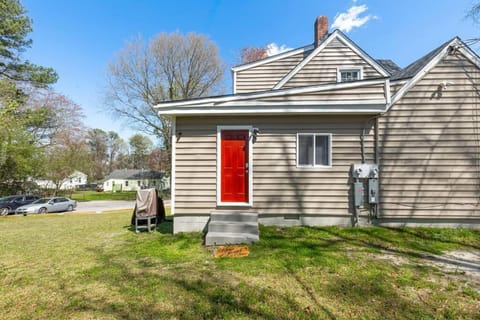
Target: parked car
{"points": [[45, 205], [10, 203]]}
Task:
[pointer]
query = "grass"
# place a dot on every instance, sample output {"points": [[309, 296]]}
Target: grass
{"points": [[106, 195], [94, 195], [92, 266]]}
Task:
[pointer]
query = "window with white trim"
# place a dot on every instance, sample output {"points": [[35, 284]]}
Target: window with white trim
{"points": [[314, 150], [349, 74]]}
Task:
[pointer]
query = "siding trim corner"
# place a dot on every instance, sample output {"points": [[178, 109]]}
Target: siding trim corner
{"points": [[173, 165]]}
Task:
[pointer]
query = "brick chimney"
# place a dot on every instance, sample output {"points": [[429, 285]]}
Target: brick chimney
{"points": [[321, 29]]}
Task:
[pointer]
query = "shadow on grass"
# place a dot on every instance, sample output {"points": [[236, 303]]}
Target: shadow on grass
{"points": [[166, 227], [166, 276], [440, 235], [190, 292]]}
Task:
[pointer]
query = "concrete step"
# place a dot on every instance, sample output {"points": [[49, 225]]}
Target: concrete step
{"points": [[233, 227], [221, 238], [234, 216]]}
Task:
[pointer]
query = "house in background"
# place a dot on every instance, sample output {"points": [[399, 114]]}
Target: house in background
{"points": [[327, 135], [71, 182], [135, 179], [74, 180]]}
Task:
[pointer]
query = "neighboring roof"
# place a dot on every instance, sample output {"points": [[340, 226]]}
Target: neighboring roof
{"points": [[135, 174], [335, 34], [76, 174], [413, 68], [389, 65]]}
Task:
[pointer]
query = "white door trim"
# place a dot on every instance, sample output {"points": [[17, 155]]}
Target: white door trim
{"points": [[250, 166]]}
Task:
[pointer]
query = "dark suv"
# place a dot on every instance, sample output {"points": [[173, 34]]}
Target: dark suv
{"points": [[10, 203]]}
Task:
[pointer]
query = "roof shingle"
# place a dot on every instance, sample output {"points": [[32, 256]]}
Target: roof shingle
{"points": [[413, 68], [135, 174]]}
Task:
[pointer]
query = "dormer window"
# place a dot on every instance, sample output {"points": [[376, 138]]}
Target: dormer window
{"points": [[347, 74]]}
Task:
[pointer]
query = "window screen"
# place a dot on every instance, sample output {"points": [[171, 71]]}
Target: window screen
{"points": [[305, 150], [322, 150]]}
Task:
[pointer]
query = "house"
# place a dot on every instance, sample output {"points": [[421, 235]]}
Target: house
{"points": [[135, 179], [69, 183], [74, 180], [327, 135]]}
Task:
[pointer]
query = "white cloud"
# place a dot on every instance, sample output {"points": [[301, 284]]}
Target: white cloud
{"points": [[346, 21], [273, 49]]}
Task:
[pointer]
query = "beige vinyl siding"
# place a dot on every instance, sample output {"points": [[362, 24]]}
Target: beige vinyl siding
{"points": [[279, 187], [323, 67], [371, 92], [266, 76], [430, 147]]}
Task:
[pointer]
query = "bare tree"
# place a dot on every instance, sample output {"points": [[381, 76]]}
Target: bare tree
{"points": [[56, 118], [251, 54], [474, 12], [170, 67]]}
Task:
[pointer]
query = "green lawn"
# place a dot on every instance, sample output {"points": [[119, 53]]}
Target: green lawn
{"points": [[106, 195], [94, 195], [92, 266]]}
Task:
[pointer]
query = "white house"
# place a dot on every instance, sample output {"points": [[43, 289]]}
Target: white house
{"points": [[74, 180], [71, 182], [135, 179]]}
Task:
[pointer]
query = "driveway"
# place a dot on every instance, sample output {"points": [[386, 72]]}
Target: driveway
{"points": [[105, 205]]}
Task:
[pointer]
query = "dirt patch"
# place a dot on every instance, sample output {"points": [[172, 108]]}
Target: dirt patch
{"points": [[460, 264], [456, 264]]}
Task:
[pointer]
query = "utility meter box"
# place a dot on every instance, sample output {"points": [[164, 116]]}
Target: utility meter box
{"points": [[365, 171], [373, 191], [358, 194]]}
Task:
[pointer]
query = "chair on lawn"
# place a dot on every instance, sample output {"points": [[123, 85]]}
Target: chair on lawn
{"points": [[149, 210]]}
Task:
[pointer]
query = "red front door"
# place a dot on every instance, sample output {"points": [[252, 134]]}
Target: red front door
{"points": [[234, 166]]}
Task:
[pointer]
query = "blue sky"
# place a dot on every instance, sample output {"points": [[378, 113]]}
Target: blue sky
{"points": [[79, 38]]}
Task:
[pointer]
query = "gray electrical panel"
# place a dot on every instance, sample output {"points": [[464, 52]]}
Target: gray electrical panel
{"points": [[358, 193], [373, 191]]}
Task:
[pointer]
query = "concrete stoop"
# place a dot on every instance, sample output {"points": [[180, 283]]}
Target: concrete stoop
{"points": [[232, 228]]}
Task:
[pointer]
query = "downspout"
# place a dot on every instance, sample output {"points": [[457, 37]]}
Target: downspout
{"points": [[377, 162], [362, 144]]}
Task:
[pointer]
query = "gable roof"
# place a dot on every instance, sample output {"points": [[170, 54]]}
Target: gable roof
{"points": [[280, 100], [413, 68], [135, 174], [77, 173], [335, 34], [418, 69], [390, 66]]}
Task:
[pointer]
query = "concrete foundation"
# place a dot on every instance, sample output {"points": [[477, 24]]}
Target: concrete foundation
{"points": [[199, 223], [190, 223]]}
